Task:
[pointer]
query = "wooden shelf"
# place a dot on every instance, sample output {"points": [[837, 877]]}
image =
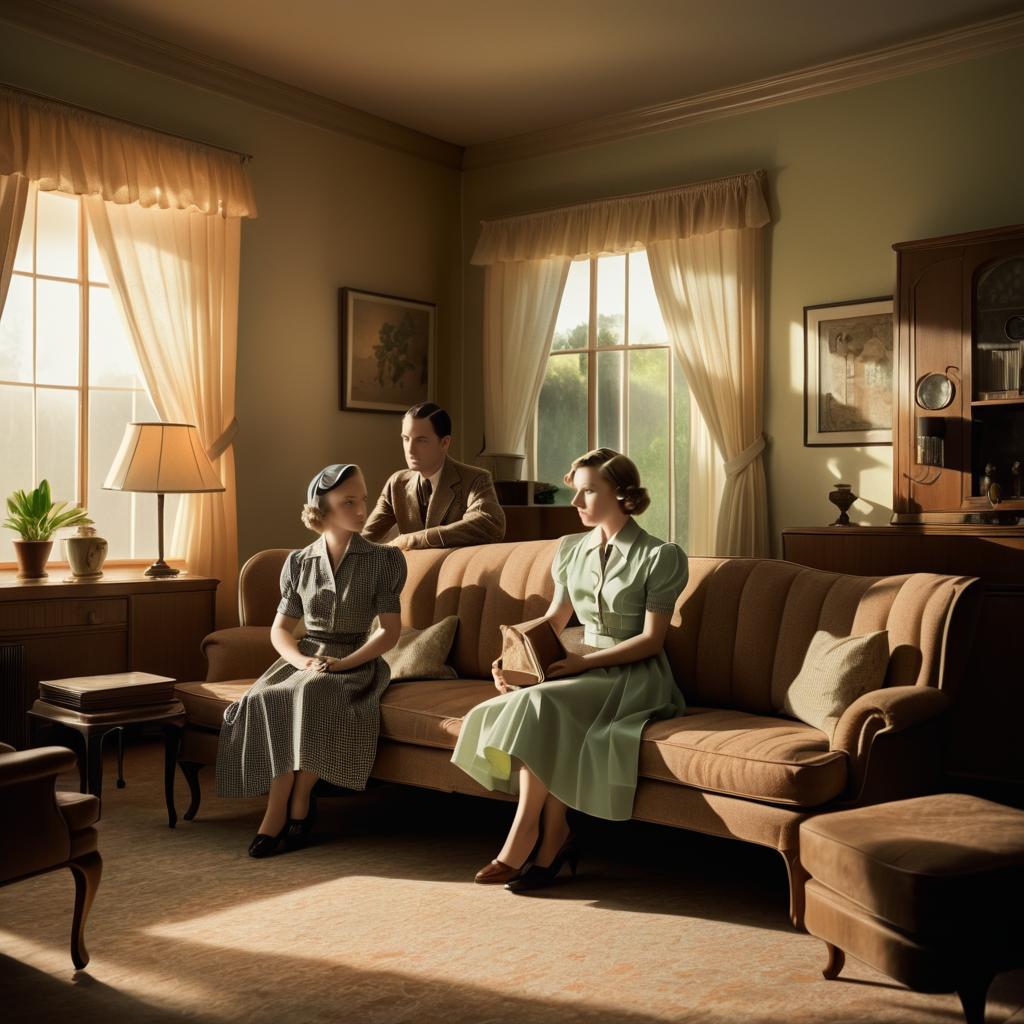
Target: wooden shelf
{"points": [[1019, 400]]}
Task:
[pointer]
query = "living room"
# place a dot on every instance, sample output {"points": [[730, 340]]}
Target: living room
{"points": [[606, 229]]}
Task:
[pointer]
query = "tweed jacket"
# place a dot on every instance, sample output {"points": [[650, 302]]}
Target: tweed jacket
{"points": [[463, 510]]}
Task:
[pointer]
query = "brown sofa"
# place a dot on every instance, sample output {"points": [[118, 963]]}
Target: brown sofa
{"points": [[733, 765]]}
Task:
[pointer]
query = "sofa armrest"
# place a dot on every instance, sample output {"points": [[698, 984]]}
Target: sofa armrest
{"points": [[890, 711], [20, 766], [241, 652]]}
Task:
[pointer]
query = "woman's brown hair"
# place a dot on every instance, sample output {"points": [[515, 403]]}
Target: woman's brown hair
{"points": [[621, 472]]}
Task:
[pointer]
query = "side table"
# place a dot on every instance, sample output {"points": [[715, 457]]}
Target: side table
{"points": [[93, 727]]}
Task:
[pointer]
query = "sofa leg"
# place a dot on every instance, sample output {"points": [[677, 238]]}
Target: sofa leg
{"points": [[973, 992], [797, 880], [87, 870], [836, 962], [190, 769]]}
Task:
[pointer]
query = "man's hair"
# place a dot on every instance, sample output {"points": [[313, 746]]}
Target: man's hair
{"points": [[439, 419]]}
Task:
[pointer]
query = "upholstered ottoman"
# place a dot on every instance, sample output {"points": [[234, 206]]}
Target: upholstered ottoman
{"points": [[929, 891]]}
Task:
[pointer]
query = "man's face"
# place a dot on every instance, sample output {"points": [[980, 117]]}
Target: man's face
{"points": [[424, 450]]}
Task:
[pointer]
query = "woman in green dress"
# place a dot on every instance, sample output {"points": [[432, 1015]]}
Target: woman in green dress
{"points": [[574, 740]]}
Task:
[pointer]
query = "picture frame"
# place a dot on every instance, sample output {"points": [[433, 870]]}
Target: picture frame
{"points": [[386, 352], [848, 373]]}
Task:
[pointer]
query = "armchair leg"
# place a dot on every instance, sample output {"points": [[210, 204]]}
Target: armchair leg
{"points": [[172, 746], [87, 870], [190, 769], [836, 962], [973, 992], [797, 880]]}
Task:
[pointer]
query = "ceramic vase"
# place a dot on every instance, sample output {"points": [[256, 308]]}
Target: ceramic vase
{"points": [[842, 497], [85, 553]]}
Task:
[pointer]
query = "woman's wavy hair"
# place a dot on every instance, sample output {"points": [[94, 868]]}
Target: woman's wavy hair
{"points": [[313, 515], [621, 472]]}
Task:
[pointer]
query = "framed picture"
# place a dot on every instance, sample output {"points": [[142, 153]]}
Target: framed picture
{"points": [[386, 356], [848, 364]]}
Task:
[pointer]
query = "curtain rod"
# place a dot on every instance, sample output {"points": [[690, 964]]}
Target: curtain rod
{"points": [[123, 120]]}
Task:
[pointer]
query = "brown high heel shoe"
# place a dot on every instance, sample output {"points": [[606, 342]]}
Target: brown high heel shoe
{"points": [[497, 873]]}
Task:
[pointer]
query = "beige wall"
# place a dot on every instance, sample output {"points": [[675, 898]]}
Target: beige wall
{"points": [[850, 174], [333, 211]]}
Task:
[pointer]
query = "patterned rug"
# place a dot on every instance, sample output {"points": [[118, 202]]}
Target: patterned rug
{"points": [[380, 922]]}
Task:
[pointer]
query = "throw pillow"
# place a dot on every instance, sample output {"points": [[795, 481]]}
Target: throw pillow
{"points": [[421, 653], [836, 671]]}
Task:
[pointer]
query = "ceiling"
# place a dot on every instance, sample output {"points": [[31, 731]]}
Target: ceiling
{"points": [[477, 71]]}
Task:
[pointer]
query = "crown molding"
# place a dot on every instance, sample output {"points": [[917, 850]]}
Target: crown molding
{"points": [[933, 51], [110, 39]]}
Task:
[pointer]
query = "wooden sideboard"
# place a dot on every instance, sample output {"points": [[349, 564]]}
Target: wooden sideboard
{"points": [[124, 621], [540, 522], [986, 751]]}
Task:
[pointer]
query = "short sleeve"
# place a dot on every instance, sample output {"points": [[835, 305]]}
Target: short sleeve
{"points": [[666, 579], [291, 603], [560, 570], [390, 582]]}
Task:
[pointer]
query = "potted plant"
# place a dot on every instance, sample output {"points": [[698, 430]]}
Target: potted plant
{"points": [[35, 517]]}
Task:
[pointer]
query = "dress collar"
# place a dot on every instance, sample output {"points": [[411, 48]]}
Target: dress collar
{"points": [[357, 545], [621, 542]]}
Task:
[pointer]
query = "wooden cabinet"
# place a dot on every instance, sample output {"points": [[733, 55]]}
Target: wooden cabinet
{"points": [[124, 621], [960, 314], [540, 522]]}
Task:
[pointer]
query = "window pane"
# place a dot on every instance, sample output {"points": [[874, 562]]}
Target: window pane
{"points": [[16, 332], [144, 505], [112, 361], [681, 431], [97, 271], [57, 442], [573, 319], [562, 420], [611, 300], [648, 432], [57, 235], [57, 342], [646, 326], [609, 400], [16, 463], [109, 411], [23, 260]]}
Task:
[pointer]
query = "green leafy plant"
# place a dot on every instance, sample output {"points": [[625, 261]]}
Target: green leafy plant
{"points": [[35, 516]]}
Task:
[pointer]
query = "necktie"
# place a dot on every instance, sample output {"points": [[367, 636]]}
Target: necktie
{"points": [[424, 496]]}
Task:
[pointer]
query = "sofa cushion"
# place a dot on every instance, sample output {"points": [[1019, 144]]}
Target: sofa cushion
{"points": [[421, 653], [205, 702], [931, 866], [80, 810], [762, 757], [430, 713]]}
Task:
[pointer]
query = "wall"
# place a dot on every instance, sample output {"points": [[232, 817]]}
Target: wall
{"points": [[850, 174], [333, 211]]}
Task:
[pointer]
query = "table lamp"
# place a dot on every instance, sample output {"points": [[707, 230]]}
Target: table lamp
{"points": [[162, 458]]}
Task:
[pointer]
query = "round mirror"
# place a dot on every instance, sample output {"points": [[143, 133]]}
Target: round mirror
{"points": [[935, 391]]}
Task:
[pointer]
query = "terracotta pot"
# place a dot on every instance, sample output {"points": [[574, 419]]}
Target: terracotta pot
{"points": [[32, 556]]}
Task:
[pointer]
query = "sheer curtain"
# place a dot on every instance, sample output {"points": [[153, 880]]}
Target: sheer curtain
{"points": [[520, 307], [174, 278], [711, 292], [13, 198], [705, 246]]}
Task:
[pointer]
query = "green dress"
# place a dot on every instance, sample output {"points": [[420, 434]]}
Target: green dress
{"points": [[581, 735]]}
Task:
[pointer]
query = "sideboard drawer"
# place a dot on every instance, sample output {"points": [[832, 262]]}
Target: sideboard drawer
{"points": [[23, 617]]}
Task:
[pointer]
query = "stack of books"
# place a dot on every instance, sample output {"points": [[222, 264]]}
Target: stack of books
{"points": [[92, 694]]}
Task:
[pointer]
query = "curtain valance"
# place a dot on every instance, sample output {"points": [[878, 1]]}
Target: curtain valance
{"points": [[66, 149], [626, 223]]}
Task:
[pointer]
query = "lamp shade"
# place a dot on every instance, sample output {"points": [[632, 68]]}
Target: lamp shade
{"points": [[166, 458]]}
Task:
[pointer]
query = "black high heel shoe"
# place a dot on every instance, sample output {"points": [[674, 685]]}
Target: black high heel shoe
{"points": [[264, 845], [538, 877], [298, 830]]}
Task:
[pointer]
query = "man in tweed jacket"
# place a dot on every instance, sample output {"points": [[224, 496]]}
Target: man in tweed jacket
{"points": [[437, 502]]}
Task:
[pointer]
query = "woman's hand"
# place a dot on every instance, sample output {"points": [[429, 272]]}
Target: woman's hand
{"points": [[334, 664], [570, 665], [499, 677], [310, 664]]}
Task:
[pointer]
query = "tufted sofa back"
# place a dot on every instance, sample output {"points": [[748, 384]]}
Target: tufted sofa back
{"points": [[739, 633]]}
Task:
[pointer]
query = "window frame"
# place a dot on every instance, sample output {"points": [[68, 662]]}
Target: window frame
{"points": [[82, 387], [591, 351]]}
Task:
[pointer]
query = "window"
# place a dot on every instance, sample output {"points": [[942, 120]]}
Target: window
{"points": [[69, 379], [612, 380]]}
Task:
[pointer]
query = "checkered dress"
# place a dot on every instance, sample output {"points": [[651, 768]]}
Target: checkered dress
{"points": [[323, 722]]}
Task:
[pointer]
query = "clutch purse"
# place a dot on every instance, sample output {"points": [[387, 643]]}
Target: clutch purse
{"points": [[528, 651]]}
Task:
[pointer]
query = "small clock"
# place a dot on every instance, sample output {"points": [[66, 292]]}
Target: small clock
{"points": [[1014, 328]]}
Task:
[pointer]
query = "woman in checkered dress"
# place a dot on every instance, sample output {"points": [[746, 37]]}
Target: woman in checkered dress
{"points": [[315, 713]]}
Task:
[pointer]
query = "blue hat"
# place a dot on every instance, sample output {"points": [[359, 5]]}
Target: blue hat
{"points": [[327, 479]]}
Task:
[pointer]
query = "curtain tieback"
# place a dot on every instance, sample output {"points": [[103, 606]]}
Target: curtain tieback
{"points": [[220, 446], [740, 462]]}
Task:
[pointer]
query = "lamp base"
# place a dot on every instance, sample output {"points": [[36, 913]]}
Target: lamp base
{"points": [[160, 568]]}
